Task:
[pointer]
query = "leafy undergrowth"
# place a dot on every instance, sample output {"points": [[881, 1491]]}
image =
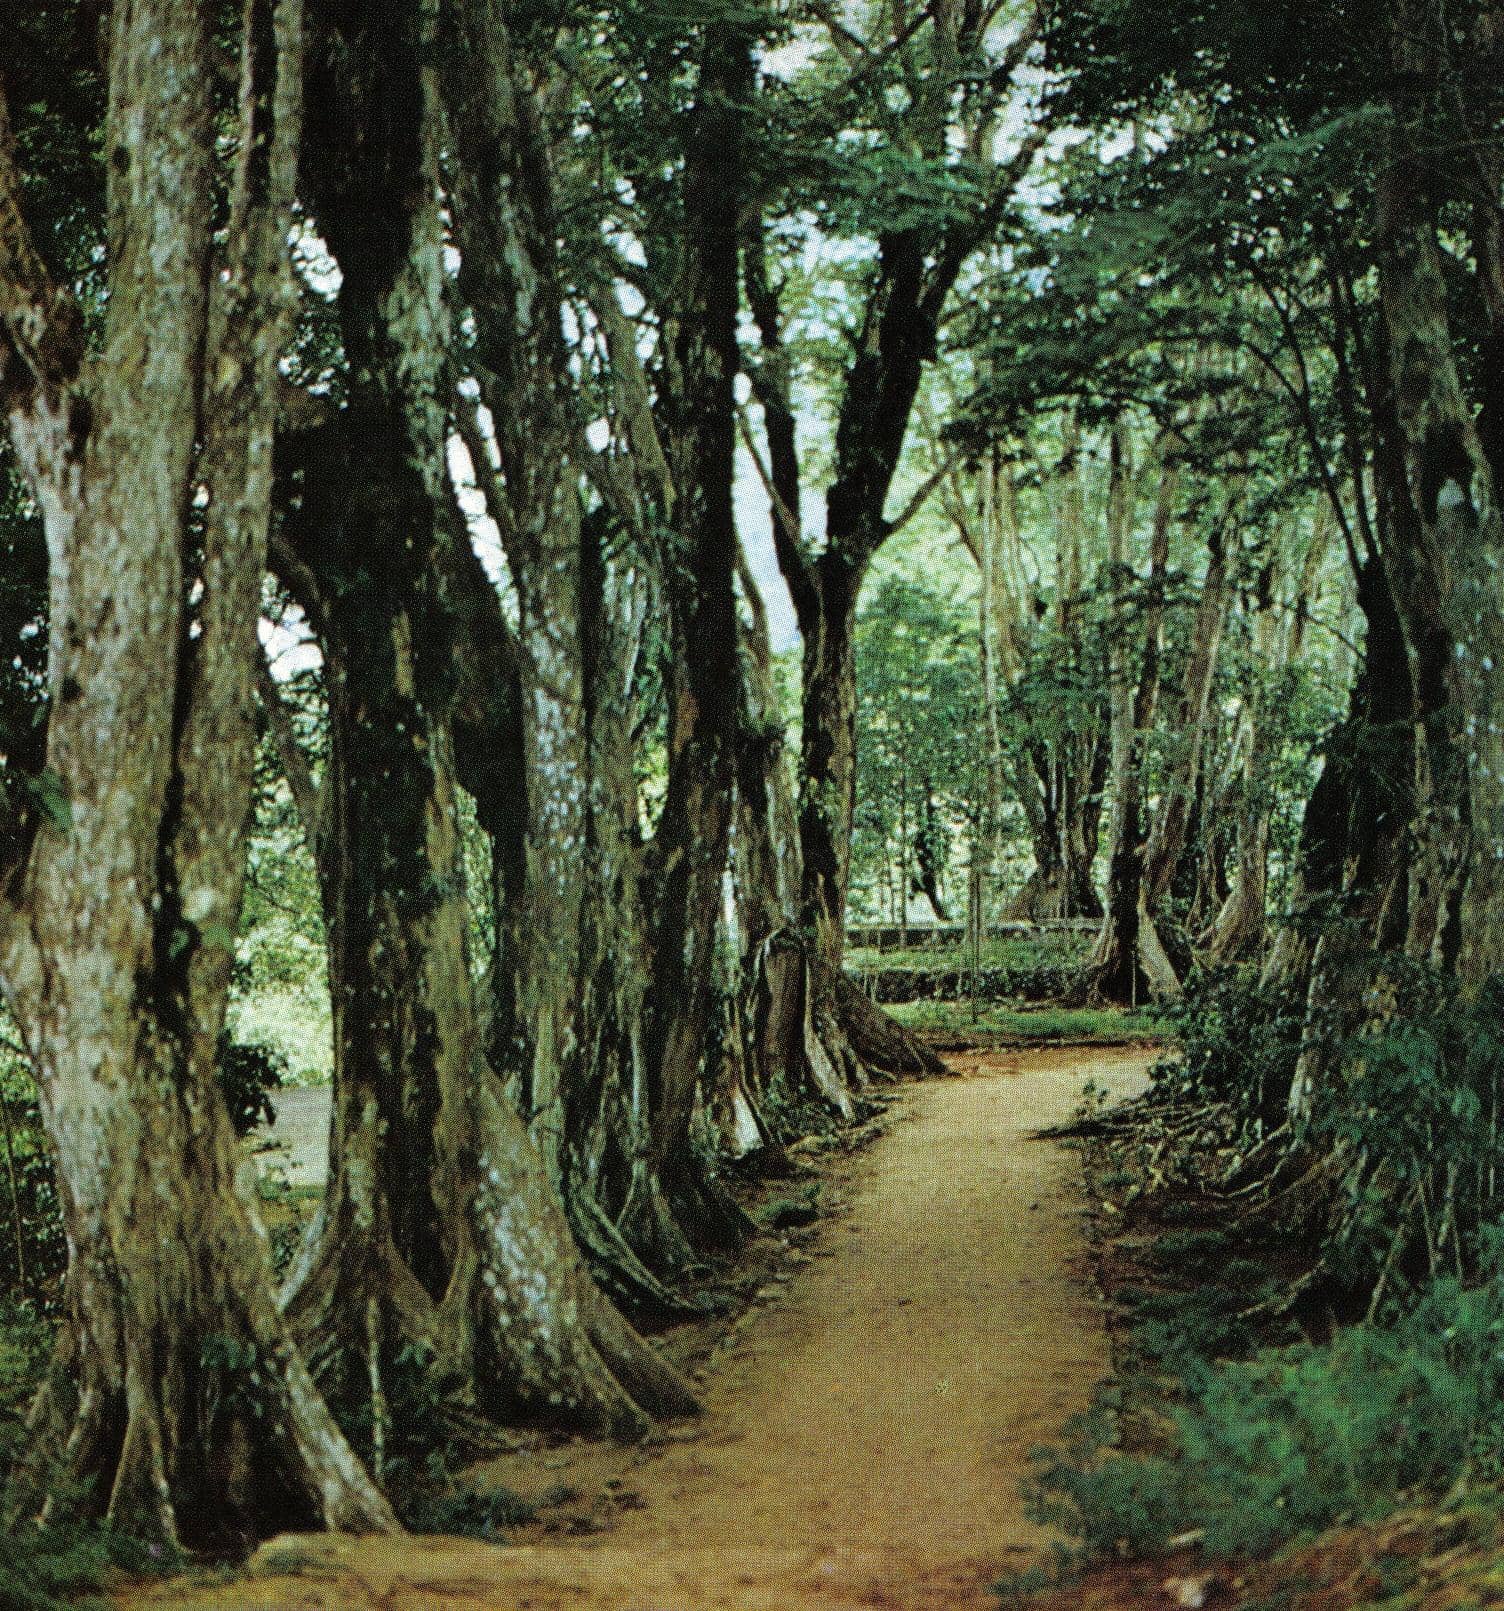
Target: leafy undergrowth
{"points": [[69, 1566], [1294, 1440], [1007, 1023], [1264, 1444]]}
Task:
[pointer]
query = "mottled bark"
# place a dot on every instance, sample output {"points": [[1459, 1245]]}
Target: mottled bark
{"points": [[363, 506], [1127, 964], [1238, 930], [508, 277], [854, 1037], [437, 1190], [783, 1052], [768, 882], [580, 1029], [1450, 596], [1059, 781], [176, 1404]]}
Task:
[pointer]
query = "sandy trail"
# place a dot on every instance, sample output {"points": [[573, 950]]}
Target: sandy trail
{"points": [[864, 1434]]}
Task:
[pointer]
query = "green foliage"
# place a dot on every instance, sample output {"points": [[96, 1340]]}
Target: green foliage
{"points": [[468, 1512], [1296, 1439], [63, 1563], [790, 1114], [33, 1250], [234, 1376], [25, 1341], [65, 1566], [279, 994], [247, 1076], [1238, 1041], [1410, 1106], [1179, 1329], [1418, 1101], [803, 1208], [917, 751]]}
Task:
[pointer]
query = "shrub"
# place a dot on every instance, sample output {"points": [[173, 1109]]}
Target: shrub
{"points": [[468, 1512], [1239, 1042], [62, 1564], [1296, 1439], [1418, 1104], [248, 1074], [60, 1567], [1185, 1329]]}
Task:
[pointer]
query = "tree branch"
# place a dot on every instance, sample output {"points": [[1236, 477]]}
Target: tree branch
{"points": [[41, 329], [922, 493], [308, 798]]}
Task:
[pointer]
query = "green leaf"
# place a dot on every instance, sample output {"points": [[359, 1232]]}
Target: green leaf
{"points": [[50, 792]]}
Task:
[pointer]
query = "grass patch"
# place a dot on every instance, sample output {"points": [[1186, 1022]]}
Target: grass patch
{"points": [[1007, 1023]]}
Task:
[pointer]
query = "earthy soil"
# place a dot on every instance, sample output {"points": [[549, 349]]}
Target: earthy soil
{"points": [[866, 1423]]}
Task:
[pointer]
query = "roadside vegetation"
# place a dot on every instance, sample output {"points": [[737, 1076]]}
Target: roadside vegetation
{"points": [[1308, 1325]]}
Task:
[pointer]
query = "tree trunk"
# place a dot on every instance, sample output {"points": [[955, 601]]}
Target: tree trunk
{"points": [[1239, 927], [691, 846], [914, 274], [1171, 833], [1061, 787], [1450, 589], [176, 1403], [435, 1185], [1124, 969], [372, 470], [783, 1056], [1352, 888], [784, 1051]]}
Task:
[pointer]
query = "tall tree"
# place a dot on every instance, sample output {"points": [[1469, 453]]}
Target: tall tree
{"points": [[615, 995], [176, 1386], [443, 1224], [952, 104], [1448, 579]]}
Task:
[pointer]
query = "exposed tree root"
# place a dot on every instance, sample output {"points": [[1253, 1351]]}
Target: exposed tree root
{"points": [[208, 1444], [617, 1269], [521, 1314], [877, 1038]]}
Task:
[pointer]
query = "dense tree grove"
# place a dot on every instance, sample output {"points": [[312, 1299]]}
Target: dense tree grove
{"points": [[521, 525]]}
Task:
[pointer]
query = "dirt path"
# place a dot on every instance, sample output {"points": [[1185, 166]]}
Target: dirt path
{"points": [[863, 1434], [298, 1143]]}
